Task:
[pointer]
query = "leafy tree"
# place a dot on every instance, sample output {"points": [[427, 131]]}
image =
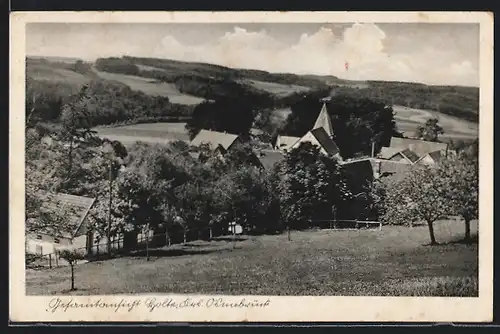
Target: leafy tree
{"points": [[309, 185], [430, 131], [76, 130], [420, 195], [225, 115], [72, 256], [42, 103], [462, 177]]}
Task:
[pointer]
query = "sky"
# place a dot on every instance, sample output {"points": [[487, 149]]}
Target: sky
{"points": [[430, 53]]}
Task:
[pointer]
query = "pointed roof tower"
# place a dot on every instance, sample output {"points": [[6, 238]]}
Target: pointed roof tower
{"points": [[324, 121]]}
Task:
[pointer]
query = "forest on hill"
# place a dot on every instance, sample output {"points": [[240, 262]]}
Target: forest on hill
{"points": [[52, 82]]}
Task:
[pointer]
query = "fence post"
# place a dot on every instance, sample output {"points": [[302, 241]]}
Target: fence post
{"points": [[97, 249]]}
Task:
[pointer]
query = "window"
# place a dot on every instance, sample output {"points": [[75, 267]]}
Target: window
{"points": [[56, 240], [39, 237]]}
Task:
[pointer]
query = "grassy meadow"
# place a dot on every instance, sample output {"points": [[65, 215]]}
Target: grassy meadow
{"points": [[162, 132], [51, 73], [394, 261], [152, 87], [277, 88], [407, 120]]}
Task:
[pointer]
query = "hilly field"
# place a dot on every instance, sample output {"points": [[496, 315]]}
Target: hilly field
{"points": [[186, 85]]}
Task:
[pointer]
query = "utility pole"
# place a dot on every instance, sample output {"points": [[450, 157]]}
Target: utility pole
{"points": [[110, 205], [147, 242]]}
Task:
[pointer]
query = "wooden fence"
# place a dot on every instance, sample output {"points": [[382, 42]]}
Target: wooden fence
{"points": [[347, 224]]}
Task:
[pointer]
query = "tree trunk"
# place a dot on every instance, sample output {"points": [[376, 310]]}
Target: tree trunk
{"points": [[110, 205], [431, 232], [467, 230], [72, 276], [167, 238], [288, 233], [210, 233], [184, 236], [70, 159], [147, 243]]}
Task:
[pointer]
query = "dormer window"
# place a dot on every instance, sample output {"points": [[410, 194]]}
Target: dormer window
{"points": [[39, 237]]}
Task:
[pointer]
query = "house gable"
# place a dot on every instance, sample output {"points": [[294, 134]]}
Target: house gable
{"points": [[309, 137]]}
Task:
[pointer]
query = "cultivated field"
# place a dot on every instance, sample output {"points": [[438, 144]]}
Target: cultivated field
{"points": [[152, 87], [276, 88], [407, 119], [54, 74], [163, 132], [392, 261]]}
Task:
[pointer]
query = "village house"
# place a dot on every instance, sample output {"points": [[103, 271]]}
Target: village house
{"points": [[360, 173], [72, 235], [413, 151], [71, 229], [321, 135], [219, 142]]}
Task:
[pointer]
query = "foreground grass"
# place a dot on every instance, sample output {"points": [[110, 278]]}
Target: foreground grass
{"points": [[367, 263]]}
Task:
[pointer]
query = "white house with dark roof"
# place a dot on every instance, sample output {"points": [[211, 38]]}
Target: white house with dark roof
{"points": [[217, 141], [419, 147], [73, 233], [321, 135], [413, 151]]}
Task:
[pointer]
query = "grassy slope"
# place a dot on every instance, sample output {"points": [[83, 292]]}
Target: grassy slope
{"points": [[151, 87], [276, 88], [162, 132], [407, 120], [388, 262]]}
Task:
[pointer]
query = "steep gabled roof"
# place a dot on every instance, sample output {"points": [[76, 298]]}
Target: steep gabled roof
{"points": [[325, 141], [420, 147], [324, 121], [75, 210], [214, 139]]}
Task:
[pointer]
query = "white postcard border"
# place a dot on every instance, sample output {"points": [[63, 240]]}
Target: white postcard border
{"points": [[279, 309]]}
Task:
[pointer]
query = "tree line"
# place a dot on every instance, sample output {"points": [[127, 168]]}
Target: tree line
{"points": [[112, 103]]}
